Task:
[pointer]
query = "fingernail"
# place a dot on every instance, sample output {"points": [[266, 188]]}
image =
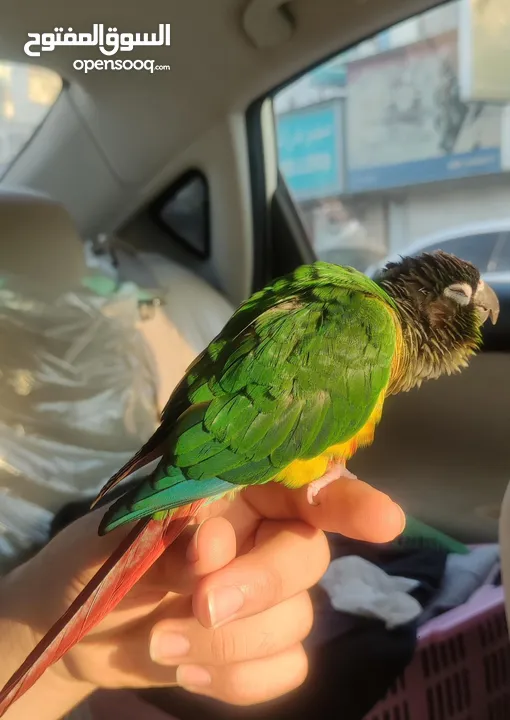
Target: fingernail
{"points": [[403, 519], [190, 676], [223, 603], [192, 551], [166, 646]]}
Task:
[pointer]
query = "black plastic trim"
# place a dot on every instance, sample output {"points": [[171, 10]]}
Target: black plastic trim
{"points": [[262, 237], [293, 246]]}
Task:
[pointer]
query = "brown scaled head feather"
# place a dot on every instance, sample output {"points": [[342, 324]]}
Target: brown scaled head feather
{"points": [[442, 304]]}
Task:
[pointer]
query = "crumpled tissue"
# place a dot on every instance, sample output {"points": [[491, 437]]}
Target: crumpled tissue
{"points": [[359, 587]]}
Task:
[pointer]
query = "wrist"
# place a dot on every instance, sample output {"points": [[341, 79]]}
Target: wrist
{"points": [[55, 693]]}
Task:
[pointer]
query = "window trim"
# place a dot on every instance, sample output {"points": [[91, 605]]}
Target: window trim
{"points": [[157, 206], [261, 222], [281, 201]]}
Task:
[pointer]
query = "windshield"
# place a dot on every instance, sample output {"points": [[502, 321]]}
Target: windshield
{"points": [[26, 96]]}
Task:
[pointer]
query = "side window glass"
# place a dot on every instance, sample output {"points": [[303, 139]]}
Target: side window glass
{"points": [[382, 146], [501, 259], [476, 249], [183, 212]]}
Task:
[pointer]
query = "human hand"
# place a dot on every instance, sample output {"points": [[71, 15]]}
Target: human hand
{"points": [[224, 606]]}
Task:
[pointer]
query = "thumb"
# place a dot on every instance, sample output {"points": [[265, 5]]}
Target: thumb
{"points": [[349, 507]]}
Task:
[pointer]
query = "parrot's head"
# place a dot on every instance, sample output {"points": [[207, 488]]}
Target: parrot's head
{"points": [[442, 303]]}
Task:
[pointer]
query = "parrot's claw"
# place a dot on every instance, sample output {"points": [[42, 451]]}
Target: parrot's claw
{"points": [[335, 472]]}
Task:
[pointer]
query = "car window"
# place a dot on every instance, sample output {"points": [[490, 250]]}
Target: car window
{"points": [[477, 249], [183, 212], [500, 262], [27, 93], [380, 148]]}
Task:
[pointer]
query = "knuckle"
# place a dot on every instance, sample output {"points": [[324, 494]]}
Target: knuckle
{"points": [[269, 588], [237, 687], [308, 559], [227, 646], [305, 623], [321, 556], [302, 666]]}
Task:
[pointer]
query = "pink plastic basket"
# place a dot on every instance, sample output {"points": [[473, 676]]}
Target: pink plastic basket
{"points": [[461, 668]]}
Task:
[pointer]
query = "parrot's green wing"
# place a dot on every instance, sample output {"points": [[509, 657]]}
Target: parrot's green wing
{"points": [[299, 367]]}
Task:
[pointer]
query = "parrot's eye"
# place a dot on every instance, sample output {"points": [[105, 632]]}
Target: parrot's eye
{"points": [[460, 293]]}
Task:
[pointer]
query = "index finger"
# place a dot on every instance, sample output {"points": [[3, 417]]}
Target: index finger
{"points": [[349, 507]]}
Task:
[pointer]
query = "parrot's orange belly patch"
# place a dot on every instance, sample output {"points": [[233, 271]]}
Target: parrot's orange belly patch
{"points": [[302, 472]]}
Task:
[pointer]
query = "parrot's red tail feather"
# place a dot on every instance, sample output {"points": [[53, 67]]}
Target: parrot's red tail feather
{"points": [[128, 563]]}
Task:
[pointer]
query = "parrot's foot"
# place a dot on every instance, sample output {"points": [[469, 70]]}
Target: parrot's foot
{"points": [[335, 471]]}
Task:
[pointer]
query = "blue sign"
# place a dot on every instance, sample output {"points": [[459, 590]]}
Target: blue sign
{"points": [[310, 150], [448, 167], [383, 40], [329, 75]]}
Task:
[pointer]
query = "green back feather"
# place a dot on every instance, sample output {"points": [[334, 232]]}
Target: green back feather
{"points": [[298, 368]]}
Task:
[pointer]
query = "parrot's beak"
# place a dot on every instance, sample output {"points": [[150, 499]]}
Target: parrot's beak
{"points": [[486, 303]]}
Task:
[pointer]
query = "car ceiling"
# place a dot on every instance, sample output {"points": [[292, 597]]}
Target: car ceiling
{"points": [[114, 140]]}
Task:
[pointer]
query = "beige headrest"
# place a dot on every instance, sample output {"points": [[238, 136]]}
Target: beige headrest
{"points": [[38, 239]]}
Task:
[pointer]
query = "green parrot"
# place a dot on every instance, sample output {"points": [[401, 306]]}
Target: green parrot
{"points": [[287, 392]]}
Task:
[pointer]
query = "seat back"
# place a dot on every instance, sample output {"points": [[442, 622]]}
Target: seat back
{"points": [[39, 240]]}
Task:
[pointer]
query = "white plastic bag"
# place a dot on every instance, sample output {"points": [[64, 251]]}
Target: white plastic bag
{"points": [[77, 399]]}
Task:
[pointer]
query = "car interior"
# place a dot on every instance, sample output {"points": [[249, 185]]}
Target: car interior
{"points": [[179, 187]]}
